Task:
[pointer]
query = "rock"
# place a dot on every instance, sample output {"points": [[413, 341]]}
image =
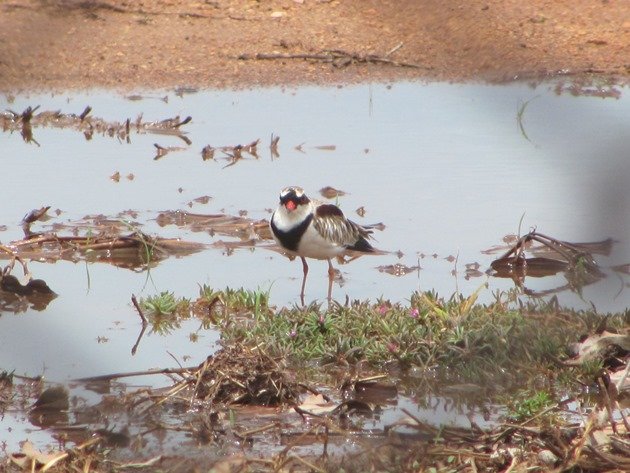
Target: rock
{"points": [[547, 457]]}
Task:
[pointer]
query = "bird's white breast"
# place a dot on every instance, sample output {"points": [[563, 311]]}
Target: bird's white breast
{"points": [[313, 245]]}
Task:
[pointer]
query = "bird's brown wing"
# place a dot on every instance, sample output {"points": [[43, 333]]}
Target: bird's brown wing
{"points": [[331, 224]]}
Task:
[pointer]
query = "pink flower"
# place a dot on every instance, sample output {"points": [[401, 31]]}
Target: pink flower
{"points": [[382, 309], [414, 313]]}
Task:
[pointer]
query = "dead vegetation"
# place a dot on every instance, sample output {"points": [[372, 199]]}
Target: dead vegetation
{"points": [[337, 58], [94, 239], [239, 375], [117, 240], [551, 256], [234, 153], [248, 232], [566, 435], [26, 121]]}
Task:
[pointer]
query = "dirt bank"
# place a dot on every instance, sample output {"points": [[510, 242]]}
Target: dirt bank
{"points": [[61, 44]]}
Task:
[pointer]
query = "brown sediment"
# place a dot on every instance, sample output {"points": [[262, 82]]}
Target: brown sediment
{"points": [[69, 44]]}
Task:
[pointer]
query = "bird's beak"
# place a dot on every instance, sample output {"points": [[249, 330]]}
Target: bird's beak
{"points": [[290, 205]]}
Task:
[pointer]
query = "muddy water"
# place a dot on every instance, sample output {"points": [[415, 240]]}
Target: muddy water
{"points": [[449, 169]]}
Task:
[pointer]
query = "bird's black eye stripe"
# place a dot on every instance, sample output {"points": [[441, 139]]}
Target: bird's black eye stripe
{"points": [[292, 196]]}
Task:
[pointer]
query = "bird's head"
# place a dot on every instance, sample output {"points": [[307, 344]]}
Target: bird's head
{"points": [[292, 198]]}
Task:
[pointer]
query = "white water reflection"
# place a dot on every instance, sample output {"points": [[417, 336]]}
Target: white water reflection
{"points": [[444, 166]]}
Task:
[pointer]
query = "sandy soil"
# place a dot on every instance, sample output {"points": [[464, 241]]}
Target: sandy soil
{"points": [[61, 44]]}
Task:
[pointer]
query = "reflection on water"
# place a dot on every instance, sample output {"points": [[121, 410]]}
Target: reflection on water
{"points": [[178, 422], [449, 169]]}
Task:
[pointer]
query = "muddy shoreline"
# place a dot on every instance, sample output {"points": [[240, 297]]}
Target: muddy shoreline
{"points": [[71, 44]]}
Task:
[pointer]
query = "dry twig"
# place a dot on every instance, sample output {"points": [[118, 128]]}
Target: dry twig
{"points": [[336, 57]]}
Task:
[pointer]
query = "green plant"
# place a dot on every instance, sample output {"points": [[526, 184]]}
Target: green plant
{"points": [[165, 303], [471, 341], [237, 300], [525, 406]]}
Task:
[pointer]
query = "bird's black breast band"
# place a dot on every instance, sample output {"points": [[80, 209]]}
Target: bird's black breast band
{"points": [[290, 239]]}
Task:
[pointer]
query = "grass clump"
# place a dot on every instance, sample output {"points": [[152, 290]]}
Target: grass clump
{"points": [[165, 311], [459, 336], [164, 304], [525, 406], [234, 301], [470, 339]]}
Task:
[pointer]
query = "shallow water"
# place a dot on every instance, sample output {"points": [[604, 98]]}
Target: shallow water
{"points": [[445, 167]]}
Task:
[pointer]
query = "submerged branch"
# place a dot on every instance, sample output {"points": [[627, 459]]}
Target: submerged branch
{"points": [[130, 374]]}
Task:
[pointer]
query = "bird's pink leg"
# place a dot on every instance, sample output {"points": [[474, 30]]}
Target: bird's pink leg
{"points": [[305, 269], [331, 278]]}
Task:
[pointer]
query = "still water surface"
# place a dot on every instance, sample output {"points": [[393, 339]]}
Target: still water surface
{"points": [[445, 167]]}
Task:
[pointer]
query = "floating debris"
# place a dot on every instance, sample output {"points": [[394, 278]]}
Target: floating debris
{"points": [[17, 297], [373, 389], [398, 269], [9, 283], [472, 271], [240, 227], [329, 192], [233, 153], [27, 120], [204, 199], [579, 88], [207, 153], [102, 240], [273, 147], [53, 398], [138, 97], [34, 216], [573, 259], [185, 90], [162, 151]]}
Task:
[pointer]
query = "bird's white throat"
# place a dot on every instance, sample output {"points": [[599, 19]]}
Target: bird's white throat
{"points": [[285, 220]]}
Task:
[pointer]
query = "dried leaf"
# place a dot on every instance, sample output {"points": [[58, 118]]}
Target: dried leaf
{"points": [[32, 459], [316, 404]]}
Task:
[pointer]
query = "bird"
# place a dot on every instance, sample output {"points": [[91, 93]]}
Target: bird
{"points": [[311, 229]]}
